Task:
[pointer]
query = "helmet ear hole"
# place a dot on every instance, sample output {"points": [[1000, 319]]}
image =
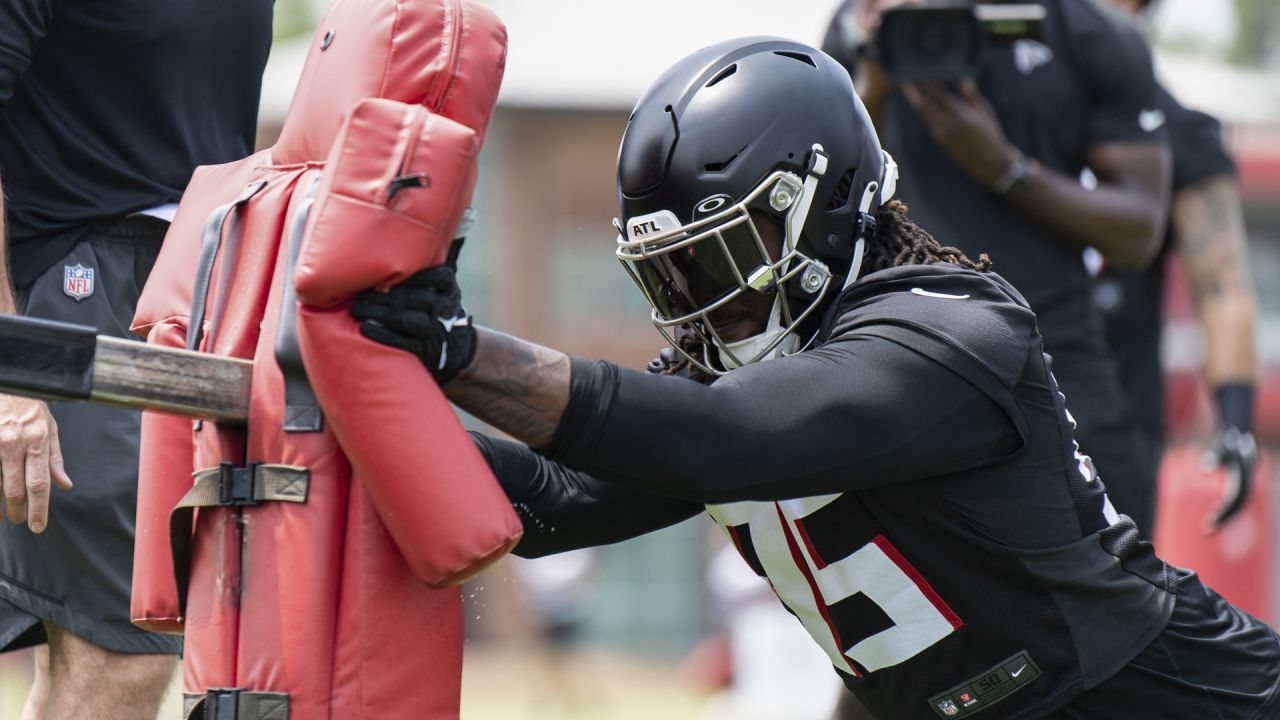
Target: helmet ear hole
{"points": [[839, 199]]}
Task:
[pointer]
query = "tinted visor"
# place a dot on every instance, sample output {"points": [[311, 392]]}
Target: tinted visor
{"points": [[694, 273]]}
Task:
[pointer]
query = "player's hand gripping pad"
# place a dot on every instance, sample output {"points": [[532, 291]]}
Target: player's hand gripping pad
{"points": [[394, 189]]}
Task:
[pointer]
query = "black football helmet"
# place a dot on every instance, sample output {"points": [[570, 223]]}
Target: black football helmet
{"points": [[748, 126]]}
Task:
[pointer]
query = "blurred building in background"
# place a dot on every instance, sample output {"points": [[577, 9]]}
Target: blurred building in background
{"points": [[539, 262]]}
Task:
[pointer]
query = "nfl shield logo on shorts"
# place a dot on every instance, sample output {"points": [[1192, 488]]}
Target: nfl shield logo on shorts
{"points": [[948, 708], [77, 281]]}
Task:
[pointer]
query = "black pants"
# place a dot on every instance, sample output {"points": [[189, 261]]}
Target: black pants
{"points": [[1212, 662]]}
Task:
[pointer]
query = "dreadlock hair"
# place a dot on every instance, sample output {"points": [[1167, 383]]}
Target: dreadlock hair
{"points": [[901, 242]]}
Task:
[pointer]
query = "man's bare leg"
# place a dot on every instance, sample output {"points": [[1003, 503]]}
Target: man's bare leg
{"points": [[38, 697], [87, 681]]}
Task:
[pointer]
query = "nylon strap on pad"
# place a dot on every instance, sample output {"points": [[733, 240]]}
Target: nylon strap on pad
{"points": [[228, 486], [235, 704], [301, 408], [210, 242]]}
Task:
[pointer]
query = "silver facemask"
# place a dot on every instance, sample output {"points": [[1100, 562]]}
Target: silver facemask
{"points": [[688, 272]]}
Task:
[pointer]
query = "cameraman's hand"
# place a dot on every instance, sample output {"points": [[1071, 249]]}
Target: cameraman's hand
{"points": [[424, 316], [965, 126], [1236, 453], [30, 460], [867, 12], [872, 84]]}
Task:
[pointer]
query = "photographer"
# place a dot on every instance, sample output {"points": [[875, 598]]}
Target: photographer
{"points": [[994, 162]]}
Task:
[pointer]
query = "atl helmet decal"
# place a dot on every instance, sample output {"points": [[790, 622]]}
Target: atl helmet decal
{"points": [[711, 205], [652, 224]]}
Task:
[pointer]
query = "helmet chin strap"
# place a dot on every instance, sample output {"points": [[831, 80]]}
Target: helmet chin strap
{"points": [[886, 188], [800, 211]]}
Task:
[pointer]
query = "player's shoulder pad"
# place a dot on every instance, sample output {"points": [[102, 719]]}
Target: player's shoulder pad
{"points": [[979, 314]]}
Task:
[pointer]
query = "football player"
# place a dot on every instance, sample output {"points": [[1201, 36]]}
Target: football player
{"points": [[867, 413]]}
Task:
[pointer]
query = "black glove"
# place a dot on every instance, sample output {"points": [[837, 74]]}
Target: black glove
{"points": [[1234, 450], [423, 315]]}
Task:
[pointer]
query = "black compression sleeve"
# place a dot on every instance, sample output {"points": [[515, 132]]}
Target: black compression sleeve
{"points": [[853, 414], [591, 390], [564, 510]]}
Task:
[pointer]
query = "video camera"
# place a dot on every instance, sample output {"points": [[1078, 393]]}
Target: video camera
{"points": [[946, 40]]}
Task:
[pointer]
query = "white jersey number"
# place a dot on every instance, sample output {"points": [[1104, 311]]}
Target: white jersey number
{"points": [[810, 583]]}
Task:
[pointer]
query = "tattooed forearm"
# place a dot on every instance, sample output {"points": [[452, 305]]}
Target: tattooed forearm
{"points": [[1209, 228], [514, 385]]}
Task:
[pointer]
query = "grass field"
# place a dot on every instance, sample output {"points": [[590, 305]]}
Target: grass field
{"points": [[501, 684]]}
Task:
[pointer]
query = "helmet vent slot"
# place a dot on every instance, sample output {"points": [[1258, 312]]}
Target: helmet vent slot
{"points": [[723, 74], [720, 167], [802, 57], [840, 197]]}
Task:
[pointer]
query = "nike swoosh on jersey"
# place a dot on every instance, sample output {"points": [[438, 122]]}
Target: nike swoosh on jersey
{"points": [[1151, 120], [1017, 672], [925, 293]]}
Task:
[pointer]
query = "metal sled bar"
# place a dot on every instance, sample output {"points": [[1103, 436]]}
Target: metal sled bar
{"points": [[67, 362]]}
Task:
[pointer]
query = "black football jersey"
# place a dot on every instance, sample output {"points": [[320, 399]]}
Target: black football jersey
{"points": [[910, 487]]}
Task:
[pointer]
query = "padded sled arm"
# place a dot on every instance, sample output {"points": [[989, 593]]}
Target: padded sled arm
{"points": [[394, 190]]}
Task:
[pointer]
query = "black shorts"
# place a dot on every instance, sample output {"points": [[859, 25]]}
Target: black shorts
{"points": [[1211, 662], [78, 573]]}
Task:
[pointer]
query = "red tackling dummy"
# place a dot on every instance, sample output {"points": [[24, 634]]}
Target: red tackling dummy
{"points": [[307, 586]]}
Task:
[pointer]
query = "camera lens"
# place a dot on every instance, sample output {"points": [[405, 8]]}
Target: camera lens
{"points": [[935, 40]]}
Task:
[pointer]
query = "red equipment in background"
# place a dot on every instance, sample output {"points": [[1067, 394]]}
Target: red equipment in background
{"points": [[1235, 560], [1239, 559]]}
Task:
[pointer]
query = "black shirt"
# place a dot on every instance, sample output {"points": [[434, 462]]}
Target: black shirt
{"points": [[1089, 80], [909, 486], [106, 106], [1132, 300]]}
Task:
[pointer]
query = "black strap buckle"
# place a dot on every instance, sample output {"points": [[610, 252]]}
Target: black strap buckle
{"points": [[865, 227], [222, 704], [235, 486]]}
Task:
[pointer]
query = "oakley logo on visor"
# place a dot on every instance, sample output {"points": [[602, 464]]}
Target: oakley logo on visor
{"points": [[643, 226]]}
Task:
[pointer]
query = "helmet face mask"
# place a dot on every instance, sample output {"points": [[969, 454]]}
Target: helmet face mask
{"points": [[692, 273], [732, 148]]}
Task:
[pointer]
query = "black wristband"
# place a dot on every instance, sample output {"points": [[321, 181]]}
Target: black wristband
{"points": [[1235, 405]]}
